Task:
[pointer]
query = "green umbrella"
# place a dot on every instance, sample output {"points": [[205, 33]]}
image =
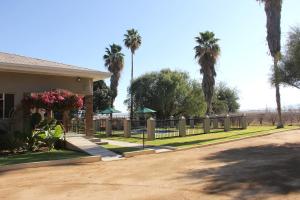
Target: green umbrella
{"points": [[144, 110], [109, 110]]}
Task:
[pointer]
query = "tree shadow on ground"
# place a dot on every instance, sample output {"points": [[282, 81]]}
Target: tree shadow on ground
{"points": [[258, 171], [201, 141]]}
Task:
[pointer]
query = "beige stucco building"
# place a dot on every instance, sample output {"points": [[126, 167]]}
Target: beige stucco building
{"points": [[20, 75]]}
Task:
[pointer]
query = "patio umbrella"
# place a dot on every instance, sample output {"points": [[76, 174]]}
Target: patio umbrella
{"points": [[144, 110], [109, 110]]}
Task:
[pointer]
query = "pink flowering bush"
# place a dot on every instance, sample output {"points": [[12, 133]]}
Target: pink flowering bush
{"points": [[57, 100]]}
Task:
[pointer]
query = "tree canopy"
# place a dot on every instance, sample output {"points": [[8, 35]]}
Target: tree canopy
{"points": [[167, 92], [174, 93], [101, 96], [114, 61], [225, 99], [290, 67]]}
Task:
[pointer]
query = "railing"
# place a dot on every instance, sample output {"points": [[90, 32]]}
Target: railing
{"points": [[194, 126], [166, 128], [77, 126], [235, 122], [138, 127]]}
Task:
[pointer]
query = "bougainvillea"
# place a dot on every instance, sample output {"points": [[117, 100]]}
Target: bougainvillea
{"points": [[53, 100]]}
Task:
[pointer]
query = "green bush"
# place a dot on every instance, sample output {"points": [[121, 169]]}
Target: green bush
{"points": [[43, 134], [48, 133], [10, 141]]}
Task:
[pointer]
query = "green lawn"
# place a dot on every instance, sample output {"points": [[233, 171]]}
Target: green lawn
{"points": [[39, 156], [203, 139], [118, 149]]}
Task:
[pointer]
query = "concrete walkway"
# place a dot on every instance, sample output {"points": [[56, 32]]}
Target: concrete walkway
{"points": [[157, 149], [83, 144]]}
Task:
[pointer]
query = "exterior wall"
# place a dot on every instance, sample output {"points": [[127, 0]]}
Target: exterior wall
{"points": [[18, 84]]}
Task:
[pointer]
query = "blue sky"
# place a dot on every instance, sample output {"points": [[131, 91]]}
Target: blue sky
{"points": [[77, 32]]}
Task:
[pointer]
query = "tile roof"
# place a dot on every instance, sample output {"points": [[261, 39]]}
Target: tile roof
{"points": [[23, 64], [24, 60]]}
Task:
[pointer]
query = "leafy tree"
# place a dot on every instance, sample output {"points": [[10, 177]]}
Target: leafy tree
{"points": [[225, 100], [207, 53], [290, 68], [114, 61], [132, 41], [273, 13], [101, 96], [168, 92]]}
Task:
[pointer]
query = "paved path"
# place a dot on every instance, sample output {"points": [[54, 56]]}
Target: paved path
{"points": [[257, 168], [91, 148], [157, 149]]}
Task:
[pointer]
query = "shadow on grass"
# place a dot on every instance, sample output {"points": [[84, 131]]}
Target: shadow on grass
{"points": [[258, 171], [201, 141]]}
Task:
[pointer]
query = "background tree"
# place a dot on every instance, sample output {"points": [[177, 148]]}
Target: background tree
{"points": [[114, 61], [174, 93], [207, 53], [169, 93], [132, 41], [225, 99], [273, 13], [290, 66], [101, 96]]}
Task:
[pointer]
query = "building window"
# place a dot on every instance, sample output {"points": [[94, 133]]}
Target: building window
{"points": [[7, 103]]}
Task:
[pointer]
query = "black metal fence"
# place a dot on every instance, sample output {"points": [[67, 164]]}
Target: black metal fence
{"points": [[138, 127], [235, 122], [166, 128], [194, 126], [77, 126], [163, 128]]}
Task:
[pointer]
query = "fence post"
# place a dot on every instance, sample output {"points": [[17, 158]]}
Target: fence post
{"points": [[244, 121], [192, 122], [226, 123], [172, 122], [96, 125], [108, 128], [206, 124], [215, 122], [151, 129], [182, 127], [127, 128]]}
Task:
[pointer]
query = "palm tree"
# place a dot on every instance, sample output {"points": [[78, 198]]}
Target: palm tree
{"points": [[273, 13], [114, 61], [132, 41], [207, 53]]}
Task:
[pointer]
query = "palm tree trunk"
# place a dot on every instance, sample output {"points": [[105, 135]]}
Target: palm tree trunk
{"points": [[131, 95], [277, 87]]}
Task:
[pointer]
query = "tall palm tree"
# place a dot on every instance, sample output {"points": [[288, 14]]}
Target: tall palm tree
{"points": [[273, 13], [207, 53], [114, 61], [132, 41]]}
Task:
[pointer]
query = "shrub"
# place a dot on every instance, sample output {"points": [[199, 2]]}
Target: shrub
{"points": [[48, 133]]}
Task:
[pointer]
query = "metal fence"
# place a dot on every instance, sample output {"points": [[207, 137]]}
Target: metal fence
{"points": [[77, 126], [235, 122], [138, 127], [169, 127], [217, 123], [166, 128], [194, 126]]}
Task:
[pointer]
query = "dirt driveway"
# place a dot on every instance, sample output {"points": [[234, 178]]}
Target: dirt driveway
{"points": [[259, 168]]}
